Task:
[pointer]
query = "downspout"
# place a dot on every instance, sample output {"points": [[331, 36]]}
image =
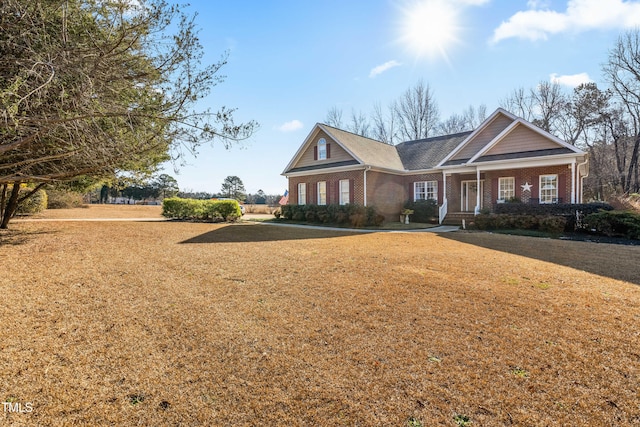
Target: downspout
{"points": [[586, 160], [365, 184], [476, 211]]}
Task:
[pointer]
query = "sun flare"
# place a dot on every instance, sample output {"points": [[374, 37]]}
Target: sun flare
{"points": [[430, 28]]}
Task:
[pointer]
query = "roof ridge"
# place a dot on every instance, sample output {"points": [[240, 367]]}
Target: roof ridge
{"points": [[355, 134], [435, 138]]}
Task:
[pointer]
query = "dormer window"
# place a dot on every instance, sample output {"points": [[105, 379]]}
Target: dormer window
{"points": [[322, 149]]}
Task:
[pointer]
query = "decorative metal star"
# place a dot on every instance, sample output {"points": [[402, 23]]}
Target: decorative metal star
{"points": [[526, 186]]}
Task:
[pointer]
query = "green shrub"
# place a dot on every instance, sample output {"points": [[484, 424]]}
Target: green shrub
{"points": [[356, 215], [201, 210], [547, 223], [35, 204], [614, 223], [423, 210], [552, 224]]}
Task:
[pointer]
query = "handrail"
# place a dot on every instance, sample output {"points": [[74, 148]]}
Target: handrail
{"points": [[442, 211]]}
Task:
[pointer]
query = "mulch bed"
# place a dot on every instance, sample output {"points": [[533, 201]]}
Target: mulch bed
{"points": [[168, 323]]}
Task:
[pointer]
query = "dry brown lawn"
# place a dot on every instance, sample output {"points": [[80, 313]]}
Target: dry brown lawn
{"points": [[168, 323]]}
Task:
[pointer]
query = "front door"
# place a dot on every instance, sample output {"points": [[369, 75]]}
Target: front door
{"points": [[469, 195]]}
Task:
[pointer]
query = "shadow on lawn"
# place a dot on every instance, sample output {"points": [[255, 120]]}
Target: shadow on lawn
{"points": [[610, 260], [256, 233], [15, 237]]}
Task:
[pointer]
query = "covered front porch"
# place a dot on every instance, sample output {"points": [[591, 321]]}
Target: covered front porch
{"points": [[468, 192]]}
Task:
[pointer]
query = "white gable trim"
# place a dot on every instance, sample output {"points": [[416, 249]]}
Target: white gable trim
{"points": [[324, 171], [473, 134], [328, 132], [307, 142], [528, 125]]}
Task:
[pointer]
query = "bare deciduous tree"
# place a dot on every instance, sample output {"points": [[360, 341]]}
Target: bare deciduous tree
{"points": [[385, 125], [622, 71], [417, 112], [334, 117], [359, 124]]}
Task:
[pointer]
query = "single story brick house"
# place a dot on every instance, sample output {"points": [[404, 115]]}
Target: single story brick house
{"points": [[505, 158]]}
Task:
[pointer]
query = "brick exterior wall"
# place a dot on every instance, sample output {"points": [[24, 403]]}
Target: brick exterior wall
{"points": [[356, 179], [388, 193], [532, 176]]}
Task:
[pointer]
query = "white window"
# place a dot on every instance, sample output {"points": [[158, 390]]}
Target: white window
{"points": [[322, 149], [344, 191], [302, 193], [322, 193], [425, 190], [506, 188], [548, 188]]}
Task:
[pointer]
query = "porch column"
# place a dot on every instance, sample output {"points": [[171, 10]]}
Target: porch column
{"points": [[573, 181], [477, 209], [444, 186]]}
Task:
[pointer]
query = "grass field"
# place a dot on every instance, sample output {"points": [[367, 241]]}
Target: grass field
{"points": [[170, 323]]}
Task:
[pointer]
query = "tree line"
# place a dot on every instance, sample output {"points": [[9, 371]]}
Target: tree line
{"points": [[164, 186]]}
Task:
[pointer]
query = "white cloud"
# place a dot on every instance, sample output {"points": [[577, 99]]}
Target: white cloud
{"points": [[384, 67], [572, 80], [581, 15], [291, 126]]}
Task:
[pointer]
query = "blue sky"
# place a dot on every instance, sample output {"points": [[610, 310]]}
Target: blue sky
{"points": [[291, 61]]}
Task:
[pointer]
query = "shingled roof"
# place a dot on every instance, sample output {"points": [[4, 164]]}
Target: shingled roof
{"points": [[427, 153], [411, 155], [369, 151]]}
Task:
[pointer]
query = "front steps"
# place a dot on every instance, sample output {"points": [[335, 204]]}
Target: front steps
{"points": [[455, 218]]}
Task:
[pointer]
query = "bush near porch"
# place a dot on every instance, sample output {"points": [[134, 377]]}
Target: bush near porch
{"points": [[547, 223], [351, 214], [425, 211], [573, 214], [594, 218], [614, 223]]}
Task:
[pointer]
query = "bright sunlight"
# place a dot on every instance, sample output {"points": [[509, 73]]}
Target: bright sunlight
{"points": [[430, 27]]}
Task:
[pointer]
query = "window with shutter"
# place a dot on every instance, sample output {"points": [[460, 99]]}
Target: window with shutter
{"points": [[322, 149], [302, 193]]}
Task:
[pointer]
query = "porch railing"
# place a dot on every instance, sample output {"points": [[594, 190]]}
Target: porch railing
{"points": [[442, 211]]}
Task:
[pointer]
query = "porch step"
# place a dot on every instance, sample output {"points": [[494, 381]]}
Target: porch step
{"points": [[455, 218]]}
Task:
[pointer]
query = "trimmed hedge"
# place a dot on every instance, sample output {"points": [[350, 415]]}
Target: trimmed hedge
{"points": [[354, 215], [201, 210], [547, 223], [616, 223], [573, 214]]}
